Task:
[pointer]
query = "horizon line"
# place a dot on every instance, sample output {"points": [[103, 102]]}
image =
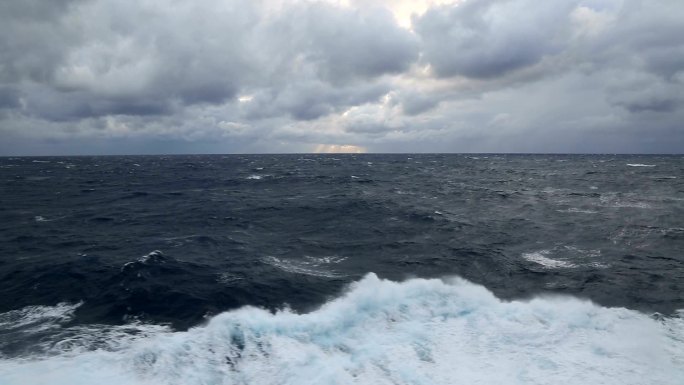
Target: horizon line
{"points": [[350, 153]]}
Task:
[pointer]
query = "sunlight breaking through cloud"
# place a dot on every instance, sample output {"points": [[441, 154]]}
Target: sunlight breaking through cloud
{"points": [[338, 149]]}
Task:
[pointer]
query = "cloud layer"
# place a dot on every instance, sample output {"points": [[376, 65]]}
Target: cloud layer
{"points": [[150, 76]]}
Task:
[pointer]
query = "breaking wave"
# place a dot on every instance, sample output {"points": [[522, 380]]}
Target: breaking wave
{"points": [[380, 332]]}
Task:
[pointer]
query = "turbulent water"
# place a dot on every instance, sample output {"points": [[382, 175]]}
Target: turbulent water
{"points": [[340, 269]]}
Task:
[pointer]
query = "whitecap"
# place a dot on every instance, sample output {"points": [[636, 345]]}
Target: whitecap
{"points": [[640, 165], [635, 205], [540, 257], [578, 211], [566, 257], [328, 259], [255, 177], [380, 332], [228, 278], [37, 317], [307, 266], [617, 200], [153, 257]]}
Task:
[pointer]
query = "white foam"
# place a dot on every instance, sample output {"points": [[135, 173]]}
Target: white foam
{"points": [[540, 257], [559, 257], [382, 332], [307, 266], [636, 205], [40, 218], [254, 177], [640, 165], [612, 199], [37, 317], [327, 259], [151, 257], [155, 256], [228, 278], [578, 211]]}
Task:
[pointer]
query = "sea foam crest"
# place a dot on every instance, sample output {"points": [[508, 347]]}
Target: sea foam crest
{"points": [[382, 332], [37, 317]]}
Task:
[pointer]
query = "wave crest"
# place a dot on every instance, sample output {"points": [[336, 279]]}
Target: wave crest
{"points": [[420, 331]]}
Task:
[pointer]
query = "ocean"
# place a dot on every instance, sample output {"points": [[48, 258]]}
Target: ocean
{"points": [[342, 269]]}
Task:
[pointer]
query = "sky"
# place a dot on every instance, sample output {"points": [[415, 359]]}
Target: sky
{"points": [[277, 76]]}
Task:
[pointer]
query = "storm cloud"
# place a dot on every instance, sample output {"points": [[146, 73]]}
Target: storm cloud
{"points": [[484, 39], [150, 76]]}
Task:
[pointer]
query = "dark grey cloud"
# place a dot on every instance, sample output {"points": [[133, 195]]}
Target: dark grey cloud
{"points": [[33, 10], [417, 103], [484, 39], [74, 60], [653, 97], [349, 45], [188, 54], [9, 98], [75, 105], [638, 35], [32, 39], [369, 128], [487, 39], [656, 104], [311, 99], [338, 45], [667, 61]]}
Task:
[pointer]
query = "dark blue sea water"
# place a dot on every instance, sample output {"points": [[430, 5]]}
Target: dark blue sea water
{"points": [[340, 269]]}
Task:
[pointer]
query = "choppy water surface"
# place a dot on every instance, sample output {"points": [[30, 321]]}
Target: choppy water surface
{"points": [[382, 269]]}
